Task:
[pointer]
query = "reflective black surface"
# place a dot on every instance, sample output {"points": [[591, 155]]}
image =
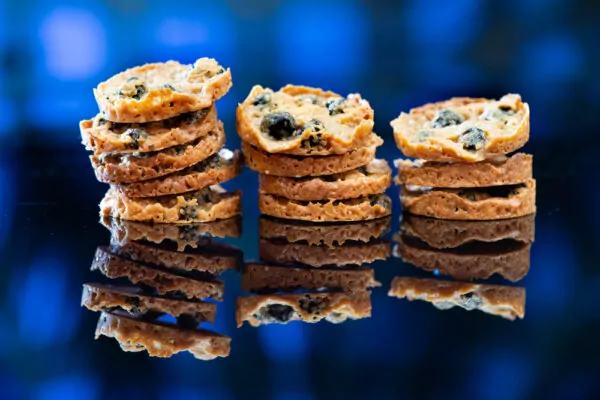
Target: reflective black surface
{"points": [[51, 230]]}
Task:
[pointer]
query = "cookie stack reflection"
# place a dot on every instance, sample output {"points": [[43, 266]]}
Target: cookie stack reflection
{"points": [[164, 286], [463, 170], [159, 144], [315, 152], [470, 252], [312, 272]]}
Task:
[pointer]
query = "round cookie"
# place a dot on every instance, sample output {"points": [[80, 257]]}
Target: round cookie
{"points": [[509, 259], [304, 121], [293, 166], [496, 202], [165, 282], [102, 136], [359, 209], [331, 235], [158, 91], [307, 307], [219, 167], [183, 236], [441, 233], [463, 129], [207, 204], [496, 172], [321, 256], [135, 167], [98, 297], [161, 339], [210, 260], [261, 278], [505, 301], [373, 178]]}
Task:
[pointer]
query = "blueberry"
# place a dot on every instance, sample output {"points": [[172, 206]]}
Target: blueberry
{"points": [[262, 99], [279, 125], [133, 78], [140, 91], [311, 305], [472, 139], [188, 212], [445, 118], [167, 86], [310, 98], [381, 201], [335, 106], [280, 312], [423, 135], [135, 135], [507, 110]]}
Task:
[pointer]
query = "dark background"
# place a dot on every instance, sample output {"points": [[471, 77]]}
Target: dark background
{"points": [[398, 55]]}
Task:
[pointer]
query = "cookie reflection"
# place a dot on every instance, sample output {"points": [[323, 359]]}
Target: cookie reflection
{"points": [[312, 272], [164, 284], [466, 251]]}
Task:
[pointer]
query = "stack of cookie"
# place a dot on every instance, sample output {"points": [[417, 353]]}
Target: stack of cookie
{"points": [[171, 270], [466, 250], [463, 171], [315, 152], [312, 272], [157, 142]]}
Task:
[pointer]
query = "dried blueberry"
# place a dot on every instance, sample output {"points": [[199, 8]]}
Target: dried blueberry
{"points": [[445, 118], [262, 99], [278, 125], [138, 93], [311, 305], [423, 135], [135, 135], [101, 121], [335, 106], [133, 78], [472, 139], [471, 300], [220, 71], [363, 170], [280, 312], [381, 201], [188, 212], [507, 110], [167, 86]]}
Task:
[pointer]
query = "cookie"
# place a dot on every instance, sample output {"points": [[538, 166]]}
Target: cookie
{"points": [[304, 121], [162, 280], [507, 258], [332, 235], [294, 166], [359, 209], [161, 339], [261, 278], [505, 301], [219, 167], [99, 297], [134, 167], [443, 234], [373, 178], [158, 91], [204, 205], [306, 307], [182, 236], [102, 136], [463, 129], [321, 256], [499, 171], [213, 259], [494, 202]]}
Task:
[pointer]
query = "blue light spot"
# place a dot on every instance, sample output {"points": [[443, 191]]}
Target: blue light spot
{"points": [[445, 25], [43, 287], [550, 59], [436, 272], [78, 386], [322, 57], [284, 342], [74, 43]]}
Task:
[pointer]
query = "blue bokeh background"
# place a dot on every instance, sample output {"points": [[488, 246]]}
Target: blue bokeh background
{"points": [[397, 54]]}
